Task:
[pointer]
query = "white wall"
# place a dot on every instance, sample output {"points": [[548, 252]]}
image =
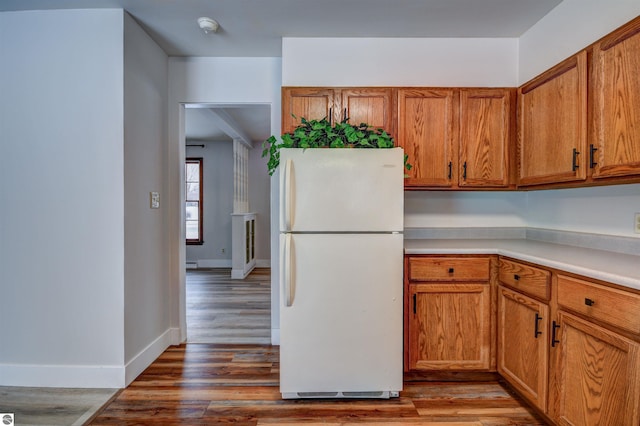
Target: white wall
{"points": [[567, 29], [605, 210], [570, 27], [146, 291], [446, 62], [61, 198], [217, 176], [221, 81], [480, 209]]}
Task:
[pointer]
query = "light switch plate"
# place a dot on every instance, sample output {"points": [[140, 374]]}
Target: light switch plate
{"points": [[154, 198]]}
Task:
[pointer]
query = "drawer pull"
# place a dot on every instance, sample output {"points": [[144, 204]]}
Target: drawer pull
{"points": [[554, 341], [451, 270], [537, 332], [589, 302], [516, 277], [414, 303]]}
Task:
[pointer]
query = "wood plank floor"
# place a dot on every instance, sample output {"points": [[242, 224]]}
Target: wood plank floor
{"points": [[222, 310], [206, 384]]}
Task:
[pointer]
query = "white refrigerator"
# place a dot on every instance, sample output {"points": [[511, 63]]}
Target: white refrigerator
{"points": [[341, 258]]}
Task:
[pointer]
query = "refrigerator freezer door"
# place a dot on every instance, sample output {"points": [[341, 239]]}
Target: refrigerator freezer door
{"points": [[341, 190], [341, 314]]}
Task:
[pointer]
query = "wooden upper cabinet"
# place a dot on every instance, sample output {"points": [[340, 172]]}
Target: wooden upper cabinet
{"points": [[615, 142], [552, 133], [486, 126], [368, 105], [426, 131], [308, 102]]}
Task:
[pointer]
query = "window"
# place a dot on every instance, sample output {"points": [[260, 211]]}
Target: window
{"points": [[193, 197]]}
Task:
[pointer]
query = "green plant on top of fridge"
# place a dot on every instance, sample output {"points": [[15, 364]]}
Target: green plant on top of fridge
{"points": [[323, 134]]}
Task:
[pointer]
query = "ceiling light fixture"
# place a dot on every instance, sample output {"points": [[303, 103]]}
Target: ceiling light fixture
{"points": [[208, 25]]}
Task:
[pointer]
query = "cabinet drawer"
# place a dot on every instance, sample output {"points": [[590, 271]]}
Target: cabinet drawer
{"points": [[616, 307], [449, 268], [530, 280]]}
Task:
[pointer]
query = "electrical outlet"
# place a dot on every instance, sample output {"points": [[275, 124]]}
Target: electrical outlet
{"points": [[637, 223]]}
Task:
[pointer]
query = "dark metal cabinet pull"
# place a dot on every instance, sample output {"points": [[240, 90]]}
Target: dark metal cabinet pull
{"points": [[554, 341], [516, 277], [464, 171], [451, 270], [537, 331], [589, 302], [330, 115], [574, 164], [592, 155], [450, 170], [414, 303]]}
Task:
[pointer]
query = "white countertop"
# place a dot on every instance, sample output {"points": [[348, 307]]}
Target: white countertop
{"points": [[616, 268]]}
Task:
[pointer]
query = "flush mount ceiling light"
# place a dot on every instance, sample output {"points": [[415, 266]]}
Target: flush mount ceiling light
{"points": [[208, 25]]}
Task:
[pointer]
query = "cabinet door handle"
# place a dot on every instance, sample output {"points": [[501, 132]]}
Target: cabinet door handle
{"points": [[451, 270], [592, 155], [516, 277], [537, 331], [414, 303], [464, 171], [344, 116], [554, 341], [589, 302], [574, 162], [330, 115], [450, 170]]}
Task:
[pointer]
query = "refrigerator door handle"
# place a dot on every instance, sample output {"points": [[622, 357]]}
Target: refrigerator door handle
{"points": [[285, 196], [285, 268]]}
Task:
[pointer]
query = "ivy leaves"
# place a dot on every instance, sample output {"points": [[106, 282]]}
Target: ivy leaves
{"points": [[322, 134]]}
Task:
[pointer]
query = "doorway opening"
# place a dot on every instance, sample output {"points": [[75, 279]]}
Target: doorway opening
{"points": [[224, 302]]}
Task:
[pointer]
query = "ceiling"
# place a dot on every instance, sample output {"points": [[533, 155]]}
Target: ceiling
{"points": [[250, 28]]}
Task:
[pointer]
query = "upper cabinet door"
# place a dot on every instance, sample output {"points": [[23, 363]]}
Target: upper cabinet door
{"points": [[368, 105], [615, 146], [311, 103], [487, 121], [426, 131], [553, 125]]}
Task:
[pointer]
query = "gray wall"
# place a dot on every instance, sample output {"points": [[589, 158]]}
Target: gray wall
{"points": [[61, 198], [146, 292], [217, 177]]}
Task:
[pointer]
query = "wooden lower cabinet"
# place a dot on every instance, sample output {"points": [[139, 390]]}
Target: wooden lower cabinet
{"points": [[523, 344], [450, 326], [596, 379]]}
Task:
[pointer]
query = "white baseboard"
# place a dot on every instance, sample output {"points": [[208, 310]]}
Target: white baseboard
{"points": [[214, 263], [62, 376], [87, 376], [146, 356], [275, 336], [263, 263]]}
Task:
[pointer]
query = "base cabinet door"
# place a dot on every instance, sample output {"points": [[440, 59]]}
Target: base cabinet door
{"points": [[597, 380], [450, 327], [523, 344]]}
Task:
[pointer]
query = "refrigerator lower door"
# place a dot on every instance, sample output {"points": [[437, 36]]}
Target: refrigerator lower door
{"points": [[341, 315]]}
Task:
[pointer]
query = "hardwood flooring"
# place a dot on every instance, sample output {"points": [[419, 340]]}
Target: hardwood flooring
{"points": [[222, 310], [206, 384]]}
